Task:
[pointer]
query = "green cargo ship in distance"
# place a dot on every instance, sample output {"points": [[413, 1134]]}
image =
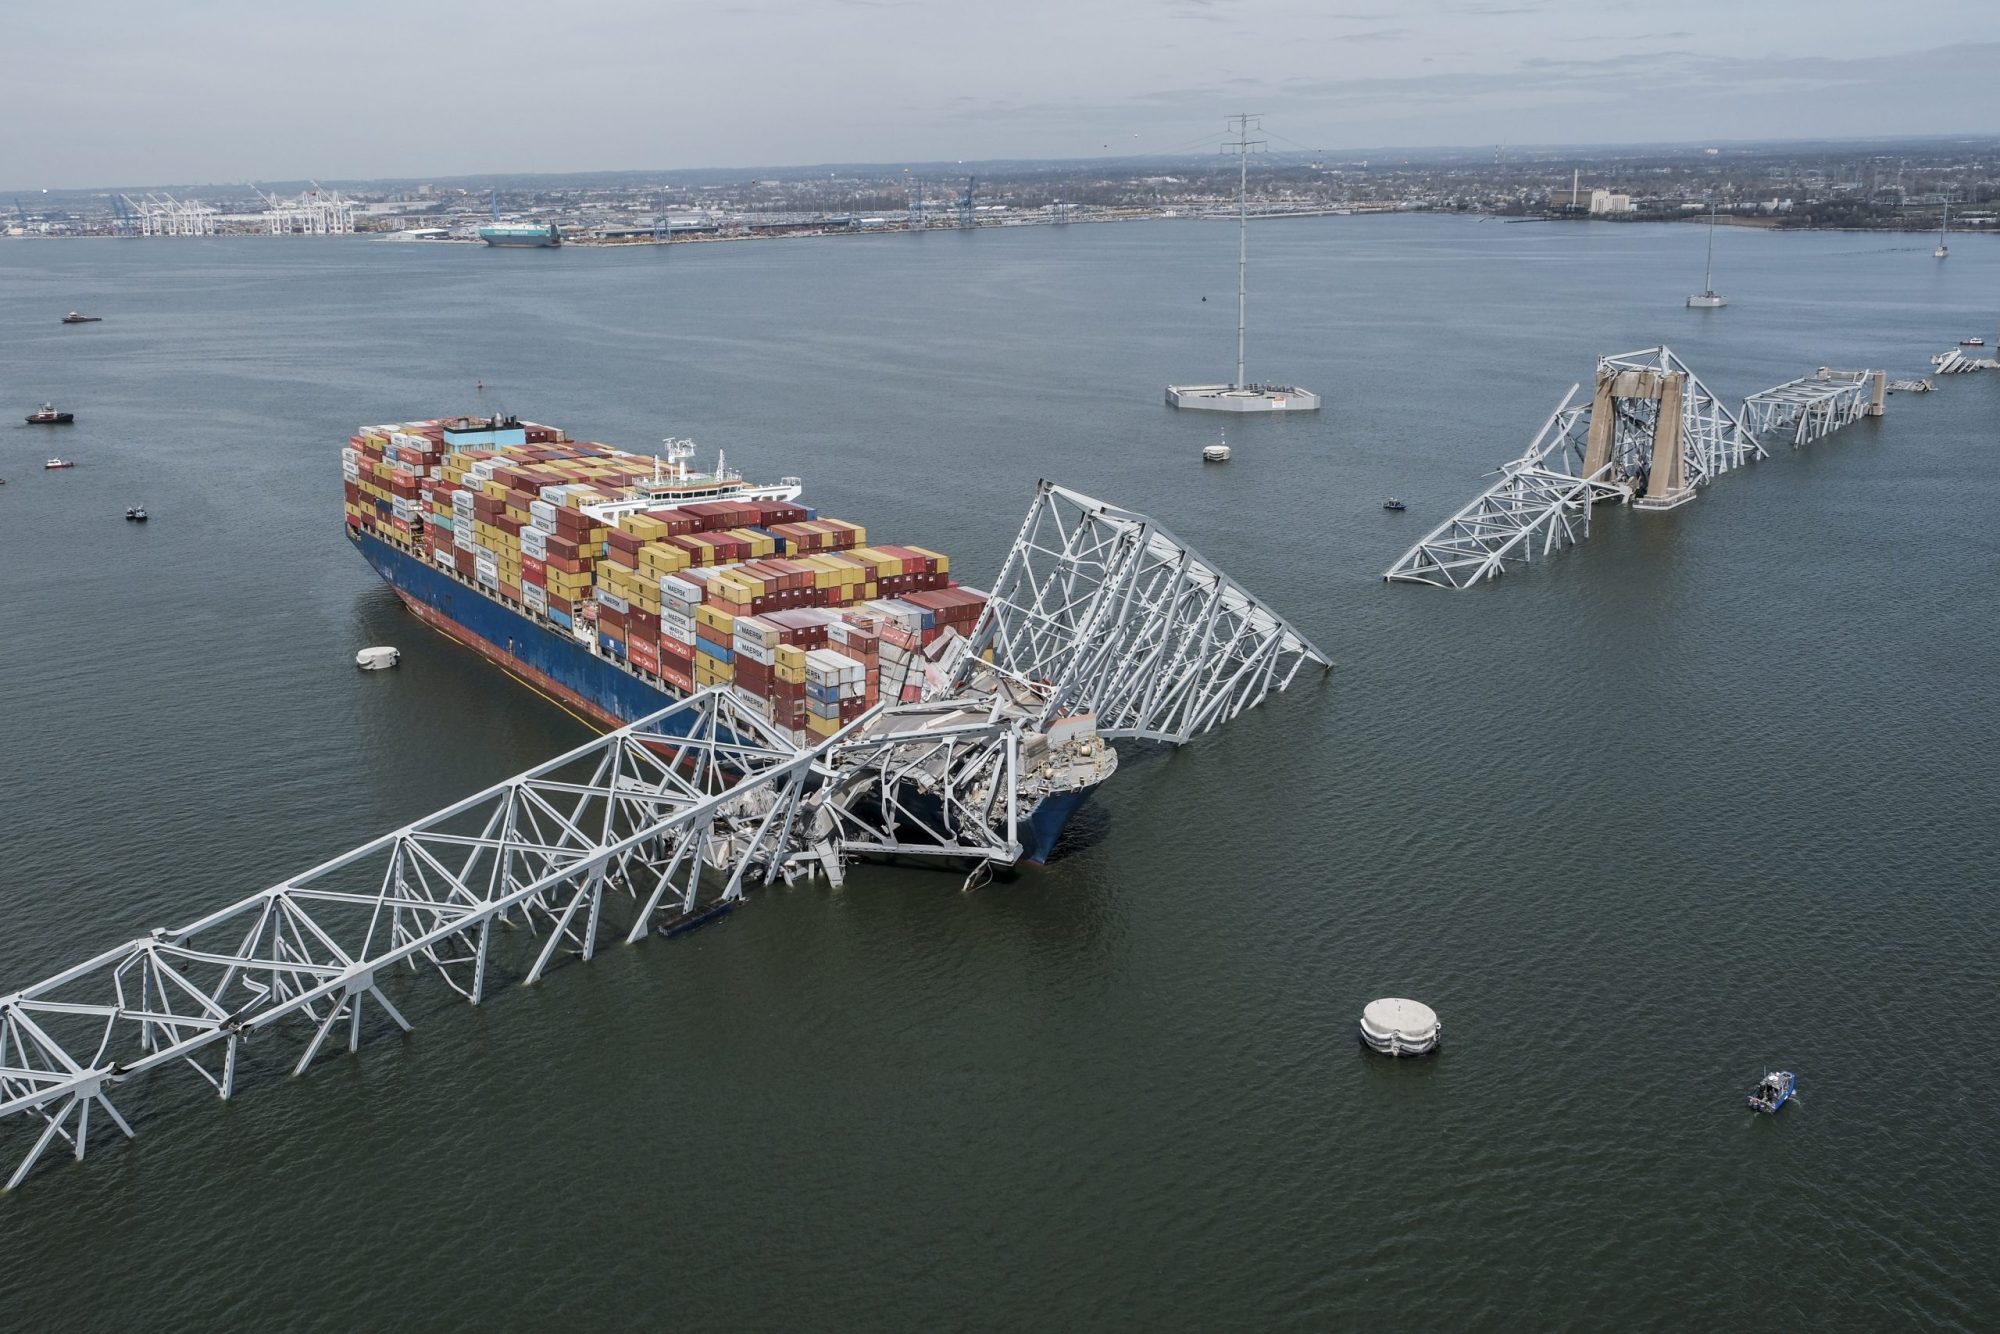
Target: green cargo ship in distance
{"points": [[532, 234]]}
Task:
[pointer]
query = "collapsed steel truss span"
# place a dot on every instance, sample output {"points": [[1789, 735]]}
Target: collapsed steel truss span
{"points": [[635, 816], [1540, 505], [1113, 615], [1813, 407], [661, 822], [1651, 433]]}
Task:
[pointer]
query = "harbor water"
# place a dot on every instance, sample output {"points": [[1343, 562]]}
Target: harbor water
{"points": [[1710, 795]]}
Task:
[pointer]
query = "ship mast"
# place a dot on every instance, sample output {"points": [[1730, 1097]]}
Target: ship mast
{"points": [[1708, 271], [1242, 146]]}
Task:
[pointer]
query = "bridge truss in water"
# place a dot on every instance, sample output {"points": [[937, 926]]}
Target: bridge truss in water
{"points": [[1813, 407], [1651, 435], [660, 824]]}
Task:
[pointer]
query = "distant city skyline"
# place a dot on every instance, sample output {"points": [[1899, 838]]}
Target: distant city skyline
{"points": [[214, 90]]}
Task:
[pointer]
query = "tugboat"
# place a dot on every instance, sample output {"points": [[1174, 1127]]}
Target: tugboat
{"points": [[1972, 342], [59, 463], [47, 415], [137, 513], [1394, 504], [75, 317], [1773, 1091]]}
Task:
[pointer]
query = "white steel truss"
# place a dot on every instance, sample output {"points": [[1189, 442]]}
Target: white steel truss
{"points": [[1540, 505], [1713, 441], [954, 777], [636, 817], [1810, 407], [663, 822], [1111, 614]]}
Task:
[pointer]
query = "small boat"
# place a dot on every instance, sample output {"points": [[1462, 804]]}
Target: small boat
{"points": [[46, 415], [1943, 251], [76, 317], [136, 513], [1215, 453], [60, 463], [1773, 1091], [1972, 342], [1394, 504]]}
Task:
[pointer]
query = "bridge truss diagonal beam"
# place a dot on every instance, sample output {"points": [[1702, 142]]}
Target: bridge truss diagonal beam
{"points": [[1540, 505], [1109, 613], [634, 818]]}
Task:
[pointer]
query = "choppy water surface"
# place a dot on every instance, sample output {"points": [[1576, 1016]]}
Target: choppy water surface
{"points": [[1713, 793]]}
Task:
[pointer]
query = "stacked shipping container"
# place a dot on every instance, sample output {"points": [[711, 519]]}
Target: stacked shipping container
{"points": [[801, 616]]}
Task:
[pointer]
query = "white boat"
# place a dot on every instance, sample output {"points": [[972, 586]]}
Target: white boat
{"points": [[378, 658], [1215, 453], [1707, 299], [1943, 251]]}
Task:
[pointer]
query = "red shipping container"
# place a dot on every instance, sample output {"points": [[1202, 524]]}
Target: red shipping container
{"points": [[678, 679], [645, 653]]}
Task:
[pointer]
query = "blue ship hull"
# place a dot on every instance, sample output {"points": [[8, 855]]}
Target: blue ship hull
{"points": [[591, 685]]}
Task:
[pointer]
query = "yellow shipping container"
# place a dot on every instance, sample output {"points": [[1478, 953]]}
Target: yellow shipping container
{"points": [[661, 559], [822, 726], [644, 526], [715, 618]]}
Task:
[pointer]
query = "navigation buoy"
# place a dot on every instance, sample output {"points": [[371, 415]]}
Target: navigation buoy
{"points": [[375, 659], [1397, 1027]]}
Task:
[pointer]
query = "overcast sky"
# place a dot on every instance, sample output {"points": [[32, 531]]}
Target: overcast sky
{"points": [[112, 92]]}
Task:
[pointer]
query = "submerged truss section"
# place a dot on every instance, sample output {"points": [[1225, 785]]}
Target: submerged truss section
{"points": [[1813, 407], [1102, 611], [1540, 505], [1651, 433], [628, 823]]}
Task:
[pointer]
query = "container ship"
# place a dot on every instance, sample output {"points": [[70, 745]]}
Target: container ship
{"points": [[528, 234], [618, 583]]}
